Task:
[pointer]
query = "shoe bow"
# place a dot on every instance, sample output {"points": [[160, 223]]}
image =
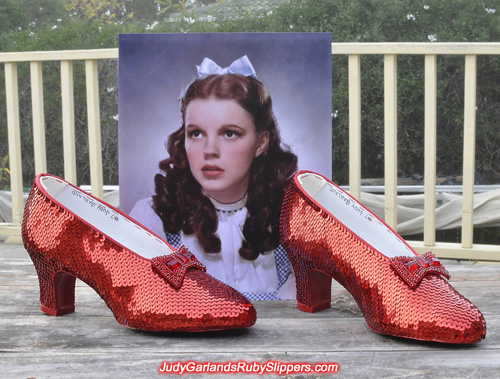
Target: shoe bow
{"points": [[173, 267], [413, 269]]}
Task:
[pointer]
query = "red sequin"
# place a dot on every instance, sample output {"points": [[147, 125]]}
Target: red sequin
{"points": [[320, 248], [63, 247]]}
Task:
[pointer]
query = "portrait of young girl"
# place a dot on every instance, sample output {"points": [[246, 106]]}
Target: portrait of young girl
{"points": [[211, 128], [222, 186]]}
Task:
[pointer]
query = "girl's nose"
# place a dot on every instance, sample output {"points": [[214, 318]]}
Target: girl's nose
{"points": [[211, 148]]}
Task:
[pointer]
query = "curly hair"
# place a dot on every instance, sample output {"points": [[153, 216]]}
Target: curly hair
{"points": [[179, 200]]}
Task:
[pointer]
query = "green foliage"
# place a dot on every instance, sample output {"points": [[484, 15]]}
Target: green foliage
{"points": [[101, 10], [408, 21], [18, 15], [92, 24], [4, 174], [12, 16], [169, 6]]}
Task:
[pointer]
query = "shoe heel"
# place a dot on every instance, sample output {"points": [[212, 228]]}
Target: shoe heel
{"points": [[314, 287], [57, 288]]}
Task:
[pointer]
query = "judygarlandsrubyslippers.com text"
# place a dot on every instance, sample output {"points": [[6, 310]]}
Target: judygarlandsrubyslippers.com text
{"points": [[243, 367]]}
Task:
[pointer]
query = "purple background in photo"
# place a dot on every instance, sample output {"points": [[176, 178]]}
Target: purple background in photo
{"points": [[155, 68]]}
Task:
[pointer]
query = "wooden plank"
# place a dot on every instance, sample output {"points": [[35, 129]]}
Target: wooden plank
{"points": [[418, 48], [94, 125], [68, 120], [59, 55], [18, 276], [14, 138], [391, 139], [430, 149], [90, 343], [355, 126], [451, 363], [102, 334], [456, 251], [7, 229], [37, 106], [469, 153], [23, 301]]}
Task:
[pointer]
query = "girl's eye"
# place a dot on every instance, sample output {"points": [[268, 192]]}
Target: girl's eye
{"points": [[232, 134], [195, 134]]}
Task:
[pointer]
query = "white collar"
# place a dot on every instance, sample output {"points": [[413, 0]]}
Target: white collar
{"points": [[228, 207]]}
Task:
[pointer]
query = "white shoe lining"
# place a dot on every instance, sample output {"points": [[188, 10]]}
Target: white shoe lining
{"points": [[354, 216], [111, 223]]}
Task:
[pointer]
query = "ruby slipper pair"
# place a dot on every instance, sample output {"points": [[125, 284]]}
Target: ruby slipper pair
{"points": [[327, 234]]}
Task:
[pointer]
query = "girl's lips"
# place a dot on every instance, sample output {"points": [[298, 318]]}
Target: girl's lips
{"points": [[212, 171]]}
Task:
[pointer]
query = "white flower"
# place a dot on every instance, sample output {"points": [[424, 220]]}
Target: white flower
{"points": [[110, 89], [490, 11], [411, 17], [115, 117], [152, 26], [432, 37], [426, 7], [54, 27], [291, 26]]}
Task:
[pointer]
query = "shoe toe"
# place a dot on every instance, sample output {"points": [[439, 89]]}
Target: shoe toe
{"points": [[219, 305], [470, 327], [202, 303], [457, 320], [435, 311]]}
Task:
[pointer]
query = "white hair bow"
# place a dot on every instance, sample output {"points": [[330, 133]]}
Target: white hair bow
{"points": [[241, 66]]}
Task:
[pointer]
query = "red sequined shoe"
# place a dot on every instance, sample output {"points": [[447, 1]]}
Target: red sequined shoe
{"points": [[70, 234], [328, 234]]}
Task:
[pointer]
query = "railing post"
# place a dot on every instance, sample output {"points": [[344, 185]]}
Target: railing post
{"points": [[430, 150], [469, 150], [38, 117], [68, 120], [94, 124], [13, 127], [355, 125], [391, 139]]}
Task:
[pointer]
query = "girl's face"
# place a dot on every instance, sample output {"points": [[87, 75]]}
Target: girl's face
{"points": [[221, 142]]}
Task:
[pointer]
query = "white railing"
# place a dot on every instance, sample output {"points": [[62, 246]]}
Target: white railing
{"points": [[66, 59], [390, 51]]}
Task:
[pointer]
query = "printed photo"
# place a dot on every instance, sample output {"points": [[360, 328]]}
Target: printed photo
{"points": [[212, 127]]}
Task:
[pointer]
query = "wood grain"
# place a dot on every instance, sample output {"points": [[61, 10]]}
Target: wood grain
{"points": [[90, 343]]}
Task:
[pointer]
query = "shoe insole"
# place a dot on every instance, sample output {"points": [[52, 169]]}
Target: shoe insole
{"points": [[106, 220], [355, 216]]}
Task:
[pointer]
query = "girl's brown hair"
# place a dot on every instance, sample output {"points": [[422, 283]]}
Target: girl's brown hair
{"points": [[179, 200]]}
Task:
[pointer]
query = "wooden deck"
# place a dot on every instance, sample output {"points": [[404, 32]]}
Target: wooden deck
{"points": [[91, 344]]}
